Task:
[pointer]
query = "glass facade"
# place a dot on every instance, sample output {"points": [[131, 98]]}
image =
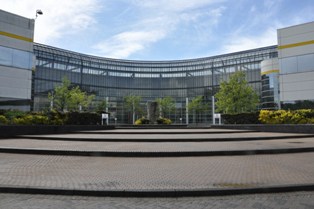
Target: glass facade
{"points": [[270, 91], [114, 79]]}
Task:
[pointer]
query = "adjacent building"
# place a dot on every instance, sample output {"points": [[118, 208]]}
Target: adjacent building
{"points": [[16, 61], [296, 63]]}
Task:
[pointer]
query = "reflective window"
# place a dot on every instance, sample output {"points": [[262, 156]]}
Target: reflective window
{"points": [[6, 56], [15, 58]]}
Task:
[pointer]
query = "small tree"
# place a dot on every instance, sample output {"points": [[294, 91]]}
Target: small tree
{"points": [[101, 106], [61, 95], [196, 106], [236, 96], [79, 99], [132, 104], [66, 98], [166, 105]]}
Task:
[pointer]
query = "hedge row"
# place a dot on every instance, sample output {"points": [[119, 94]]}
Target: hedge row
{"points": [[49, 118], [304, 116], [242, 118]]}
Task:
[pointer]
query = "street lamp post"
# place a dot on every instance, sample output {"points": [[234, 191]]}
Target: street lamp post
{"points": [[38, 12]]}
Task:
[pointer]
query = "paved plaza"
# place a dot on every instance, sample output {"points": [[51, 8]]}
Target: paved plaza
{"points": [[26, 177], [296, 200]]}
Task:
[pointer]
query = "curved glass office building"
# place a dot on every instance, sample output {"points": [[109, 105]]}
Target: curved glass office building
{"points": [[114, 79], [282, 75]]}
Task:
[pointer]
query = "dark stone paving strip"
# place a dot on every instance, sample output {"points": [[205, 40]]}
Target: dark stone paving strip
{"points": [[192, 139], [172, 133], [155, 154], [156, 193], [297, 200]]}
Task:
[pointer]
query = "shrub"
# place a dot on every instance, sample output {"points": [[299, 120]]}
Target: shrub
{"points": [[56, 118], [31, 120], [82, 118], [165, 121], [50, 117], [304, 116], [40, 119], [241, 118], [11, 114], [3, 120], [20, 121], [141, 121]]}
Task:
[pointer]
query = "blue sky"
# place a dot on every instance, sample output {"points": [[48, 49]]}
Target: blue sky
{"points": [[160, 29]]}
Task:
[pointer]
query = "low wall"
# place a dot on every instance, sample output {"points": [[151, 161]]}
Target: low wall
{"points": [[13, 130], [283, 128], [151, 126]]}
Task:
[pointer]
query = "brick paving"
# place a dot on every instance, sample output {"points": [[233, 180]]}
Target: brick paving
{"points": [[158, 174], [298, 200], [141, 174]]}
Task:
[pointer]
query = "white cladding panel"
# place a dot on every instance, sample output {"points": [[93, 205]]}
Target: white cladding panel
{"points": [[15, 83], [297, 86]]}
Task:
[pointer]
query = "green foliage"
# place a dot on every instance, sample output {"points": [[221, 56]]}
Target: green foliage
{"points": [[10, 114], [141, 121], [166, 105], [304, 116], [3, 120], [101, 106], [132, 103], [160, 120], [197, 105], [165, 121], [52, 117], [31, 120], [56, 117], [235, 96], [241, 118], [82, 118], [65, 97], [79, 98]]}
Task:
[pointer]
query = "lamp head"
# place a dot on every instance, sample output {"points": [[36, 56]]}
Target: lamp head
{"points": [[39, 12]]}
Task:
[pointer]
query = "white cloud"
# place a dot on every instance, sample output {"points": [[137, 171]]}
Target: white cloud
{"points": [[175, 5], [239, 42], [60, 16], [157, 20], [124, 44]]}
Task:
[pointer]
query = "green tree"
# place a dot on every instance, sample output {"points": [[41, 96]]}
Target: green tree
{"points": [[196, 106], [236, 96], [64, 97], [79, 99], [166, 105], [101, 106], [132, 104]]}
